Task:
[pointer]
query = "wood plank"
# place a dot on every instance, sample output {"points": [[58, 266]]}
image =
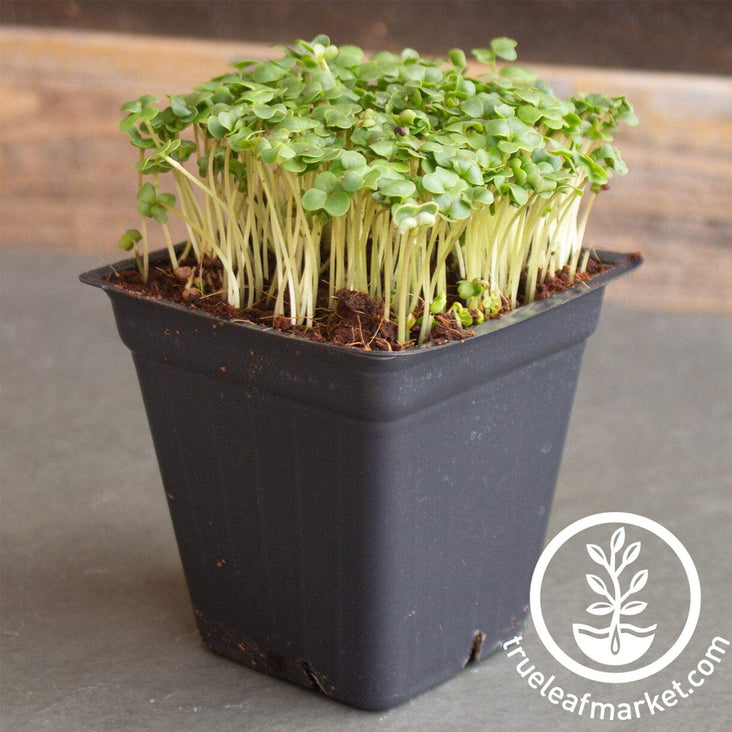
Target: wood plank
{"points": [[647, 34], [67, 181]]}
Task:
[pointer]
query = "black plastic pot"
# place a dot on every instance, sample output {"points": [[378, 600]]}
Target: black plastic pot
{"points": [[362, 523]]}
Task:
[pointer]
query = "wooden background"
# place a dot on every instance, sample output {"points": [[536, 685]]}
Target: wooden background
{"points": [[67, 178], [652, 35]]}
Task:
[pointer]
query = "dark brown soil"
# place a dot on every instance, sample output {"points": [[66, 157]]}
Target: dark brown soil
{"points": [[356, 322], [553, 285]]}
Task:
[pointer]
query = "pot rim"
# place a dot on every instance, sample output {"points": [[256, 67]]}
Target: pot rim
{"points": [[620, 265]]}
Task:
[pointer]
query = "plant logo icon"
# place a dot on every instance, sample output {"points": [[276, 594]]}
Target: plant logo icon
{"points": [[618, 643], [618, 640]]}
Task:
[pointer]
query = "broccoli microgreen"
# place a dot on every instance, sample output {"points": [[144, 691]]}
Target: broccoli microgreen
{"points": [[382, 174]]}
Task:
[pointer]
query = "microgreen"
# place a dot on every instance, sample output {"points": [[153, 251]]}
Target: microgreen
{"points": [[394, 175]]}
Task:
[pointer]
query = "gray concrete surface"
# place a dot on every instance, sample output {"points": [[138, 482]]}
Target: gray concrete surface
{"points": [[97, 633]]}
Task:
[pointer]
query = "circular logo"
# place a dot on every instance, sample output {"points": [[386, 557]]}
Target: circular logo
{"points": [[614, 635]]}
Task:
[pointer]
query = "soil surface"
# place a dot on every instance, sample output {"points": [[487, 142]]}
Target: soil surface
{"points": [[357, 321]]}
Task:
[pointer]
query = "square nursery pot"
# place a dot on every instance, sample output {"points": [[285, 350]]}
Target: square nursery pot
{"points": [[361, 523]]}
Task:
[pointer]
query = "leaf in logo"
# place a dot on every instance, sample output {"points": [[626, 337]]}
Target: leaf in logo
{"points": [[638, 582], [597, 554], [597, 585], [631, 552], [600, 608], [634, 607], [617, 540]]}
